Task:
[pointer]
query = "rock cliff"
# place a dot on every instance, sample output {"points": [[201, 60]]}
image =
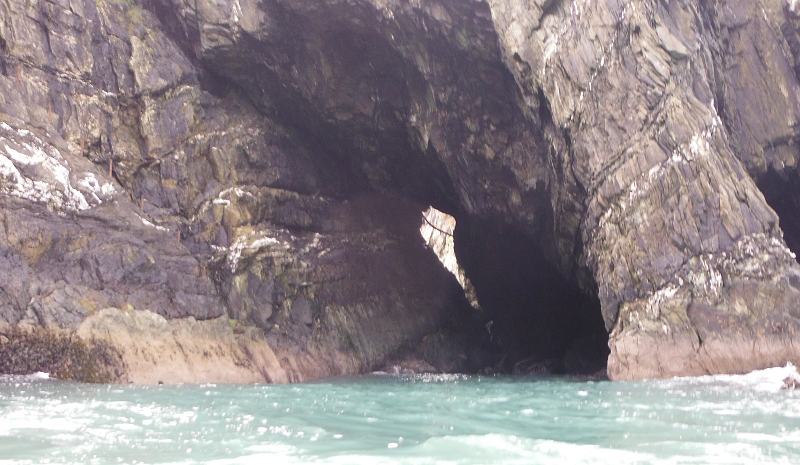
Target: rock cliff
{"points": [[232, 190]]}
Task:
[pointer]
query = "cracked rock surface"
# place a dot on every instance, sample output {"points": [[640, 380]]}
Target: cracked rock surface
{"points": [[241, 183]]}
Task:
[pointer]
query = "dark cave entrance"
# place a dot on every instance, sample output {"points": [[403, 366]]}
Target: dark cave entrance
{"points": [[782, 192], [526, 318], [539, 320], [531, 319]]}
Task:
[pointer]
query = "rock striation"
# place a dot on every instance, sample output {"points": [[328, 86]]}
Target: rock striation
{"points": [[232, 191]]}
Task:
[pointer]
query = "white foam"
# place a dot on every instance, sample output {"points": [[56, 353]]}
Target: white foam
{"points": [[447, 450], [268, 453], [767, 380], [59, 421], [38, 376], [510, 449], [429, 377]]}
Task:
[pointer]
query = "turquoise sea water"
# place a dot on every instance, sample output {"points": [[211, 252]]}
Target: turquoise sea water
{"points": [[447, 419]]}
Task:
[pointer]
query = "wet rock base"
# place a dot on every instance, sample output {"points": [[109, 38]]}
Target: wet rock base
{"points": [[64, 356]]}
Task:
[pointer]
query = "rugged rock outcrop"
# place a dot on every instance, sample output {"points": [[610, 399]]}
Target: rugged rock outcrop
{"points": [[233, 190], [673, 112]]}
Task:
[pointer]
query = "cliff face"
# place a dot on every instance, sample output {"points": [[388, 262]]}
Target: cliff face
{"points": [[232, 191], [674, 112]]}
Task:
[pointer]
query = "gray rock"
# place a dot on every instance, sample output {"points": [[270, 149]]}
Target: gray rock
{"points": [[613, 167]]}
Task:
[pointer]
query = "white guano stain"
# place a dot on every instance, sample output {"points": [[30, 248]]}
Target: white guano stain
{"points": [[93, 187], [707, 278], [236, 12], [253, 241], [148, 223], [239, 192], [774, 242], [33, 170], [659, 298]]}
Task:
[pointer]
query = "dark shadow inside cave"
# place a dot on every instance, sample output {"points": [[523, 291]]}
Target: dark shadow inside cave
{"points": [[525, 317], [782, 192], [541, 321]]}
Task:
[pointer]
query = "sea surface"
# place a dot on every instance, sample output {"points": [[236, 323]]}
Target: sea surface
{"points": [[426, 419]]}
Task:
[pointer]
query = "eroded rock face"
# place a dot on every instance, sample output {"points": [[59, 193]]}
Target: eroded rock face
{"points": [[673, 112], [267, 163], [128, 188]]}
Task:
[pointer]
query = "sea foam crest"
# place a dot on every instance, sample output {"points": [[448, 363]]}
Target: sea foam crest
{"points": [[38, 376], [767, 380]]}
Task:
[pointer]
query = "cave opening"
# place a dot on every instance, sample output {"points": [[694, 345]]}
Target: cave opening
{"points": [[525, 316], [359, 104], [782, 192], [530, 318], [542, 321]]}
